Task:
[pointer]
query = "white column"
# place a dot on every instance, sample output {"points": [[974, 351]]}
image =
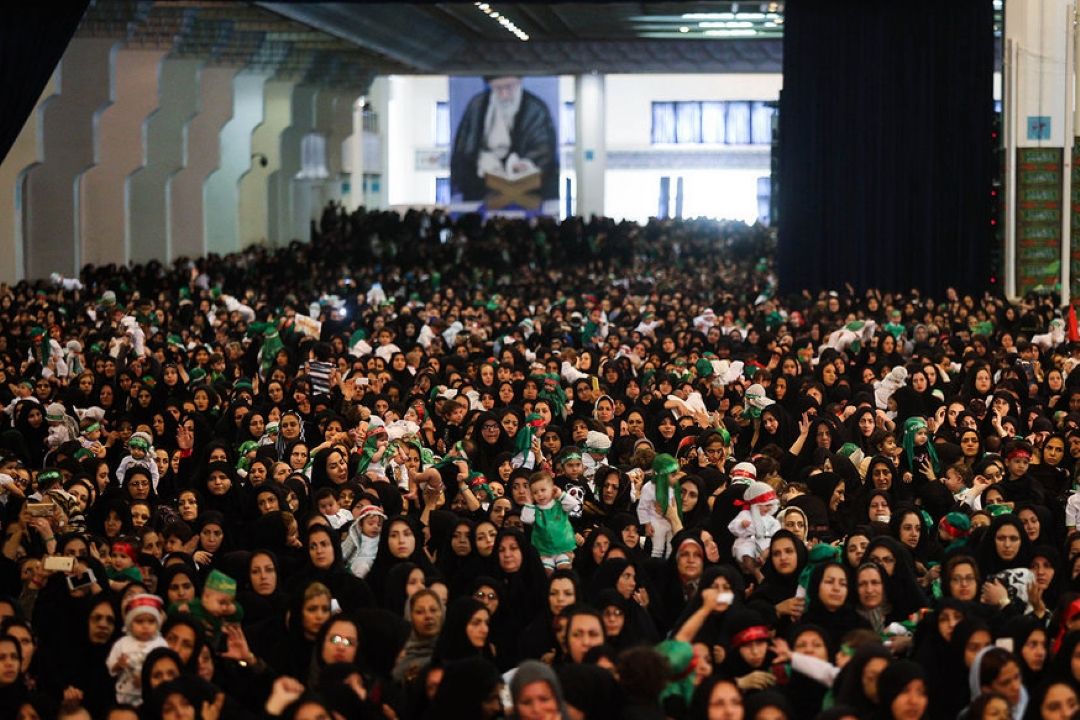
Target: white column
{"points": [[1068, 253], [356, 148], [590, 151], [1038, 82]]}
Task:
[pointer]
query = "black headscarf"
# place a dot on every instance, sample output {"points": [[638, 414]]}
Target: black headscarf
{"points": [[851, 691], [1020, 630], [836, 622], [907, 596], [776, 588], [466, 684], [453, 643], [892, 682], [989, 560]]}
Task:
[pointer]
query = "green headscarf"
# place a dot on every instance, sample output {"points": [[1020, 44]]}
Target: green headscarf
{"points": [[427, 458], [271, 346], [243, 462], [523, 439], [552, 391], [459, 454], [371, 444], [680, 660], [663, 467], [911, 426], [40, 339]]}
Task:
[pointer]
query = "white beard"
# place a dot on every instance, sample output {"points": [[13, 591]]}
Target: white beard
{"points": [[498, 124]]}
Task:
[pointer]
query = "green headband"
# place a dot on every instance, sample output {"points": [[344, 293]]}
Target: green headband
{"points": [[138, 443], [48, 476], [220, 582], [571, 456], [914, 424], [92, 427]]}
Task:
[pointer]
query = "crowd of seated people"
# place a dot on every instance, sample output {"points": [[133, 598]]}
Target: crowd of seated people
{"points": [[423, 467]]}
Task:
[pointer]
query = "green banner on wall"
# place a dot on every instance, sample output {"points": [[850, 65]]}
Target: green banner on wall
{"points": [[1039, 204], [1074, 223]]}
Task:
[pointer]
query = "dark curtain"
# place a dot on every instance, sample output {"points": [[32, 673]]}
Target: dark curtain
{"points": [[33, 36], [885, 144]]}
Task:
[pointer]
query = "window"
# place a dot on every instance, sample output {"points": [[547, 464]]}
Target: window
{"points": [[442, 124], [713, 122], [567, 123], [663, 123], [764, 199], [313, 158], [738, 123], [442, 191], [761, 120], [665, 198], [732, 122], [687, 122]]}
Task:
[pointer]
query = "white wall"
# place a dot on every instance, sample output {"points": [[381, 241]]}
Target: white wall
{"points": [[221, 194], [729, 194], [410, 126]]}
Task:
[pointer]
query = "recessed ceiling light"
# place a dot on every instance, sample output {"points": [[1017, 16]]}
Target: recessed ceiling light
{"points": [[684, 29], [503, 20], [737, 32]]}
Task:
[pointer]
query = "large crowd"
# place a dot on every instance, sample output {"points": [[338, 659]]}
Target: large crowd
{"points": [[423, 467]]}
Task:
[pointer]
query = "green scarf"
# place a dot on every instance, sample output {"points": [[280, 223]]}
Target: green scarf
{"points": [[459, 454], [427, 458], [911, 426], [680, 661], [371, 444], [271, 346], [40, 340], [663, 467], [523, 439], [552, 391]]}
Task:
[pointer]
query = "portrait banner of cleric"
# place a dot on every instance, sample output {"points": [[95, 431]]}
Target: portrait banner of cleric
{"points": [[505, 153]]}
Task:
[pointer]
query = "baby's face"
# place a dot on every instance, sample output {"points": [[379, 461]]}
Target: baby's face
{"points": [[542, 492], [953, 481], [218, 603], [372, 526], [329, 506], [138, 453], [144, 627]]}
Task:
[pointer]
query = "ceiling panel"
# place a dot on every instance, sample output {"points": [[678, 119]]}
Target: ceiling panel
{"points": [[481, 37]]}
